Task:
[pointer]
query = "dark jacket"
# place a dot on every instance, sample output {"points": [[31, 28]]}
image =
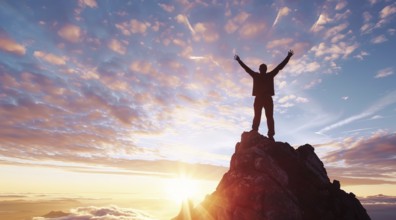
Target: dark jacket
{"points": [[263, 84]]}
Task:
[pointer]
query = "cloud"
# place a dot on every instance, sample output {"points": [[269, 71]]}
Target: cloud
{"points": [[372, 2], [334, 31], [10, 46], [116, 46], [312, 83], [375, 152], [334, 51], [379, 39], [361, 55], [385, 15], [138, 26], [388, 11], [367, 16], [92, 212], [379, 199], [182, 19], [231, 27], [207, 31], [382, 103], [134, 26], [340, 5], [284, 42], [71, 33], [284, 11], [234, 23], [141, 66], [50, 58], [366, 28], [252, 29], [89, 3], [167, 7], [322, 20], [384, 73], [303, 65], [290, 100]]}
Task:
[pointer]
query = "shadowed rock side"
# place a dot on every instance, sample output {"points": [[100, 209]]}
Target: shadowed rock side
{"points": [[273, 181]]}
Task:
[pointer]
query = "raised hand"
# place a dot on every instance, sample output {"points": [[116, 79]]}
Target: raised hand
{"points": [[290, 53], [236, 57]]}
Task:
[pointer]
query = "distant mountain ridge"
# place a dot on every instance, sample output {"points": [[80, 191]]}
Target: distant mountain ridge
{"points": [[273, 181]]}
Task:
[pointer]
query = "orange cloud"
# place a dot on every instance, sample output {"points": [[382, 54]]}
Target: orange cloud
{"points": [[322, 20], [133, 27], [207, 31], [233, 24], [116, 46], [70, 33], [141, 67], [281, 42], [50, 58], [9, 45], [89, 3], [251, 30]]}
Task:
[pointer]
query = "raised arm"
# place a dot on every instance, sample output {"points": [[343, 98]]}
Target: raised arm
{"points": [[243, 65], [283, 63]]}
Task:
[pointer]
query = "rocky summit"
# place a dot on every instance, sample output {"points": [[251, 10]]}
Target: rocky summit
{"points": [[270, 180]]}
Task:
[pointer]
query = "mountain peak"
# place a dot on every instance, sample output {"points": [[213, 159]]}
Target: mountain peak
{"points": [[273, 181]]}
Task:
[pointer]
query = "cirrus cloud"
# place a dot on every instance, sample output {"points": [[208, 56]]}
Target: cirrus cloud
{"points": [[384, 73]]}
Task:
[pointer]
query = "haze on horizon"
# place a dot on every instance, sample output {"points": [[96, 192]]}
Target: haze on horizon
{"points": [[110, 98]]}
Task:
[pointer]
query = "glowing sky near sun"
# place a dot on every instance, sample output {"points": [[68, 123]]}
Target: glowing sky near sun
{"points": [[132, 88]]}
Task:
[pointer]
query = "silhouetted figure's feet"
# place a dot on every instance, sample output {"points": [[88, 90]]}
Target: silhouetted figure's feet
{"points": [[254, 131], [271, 138]]}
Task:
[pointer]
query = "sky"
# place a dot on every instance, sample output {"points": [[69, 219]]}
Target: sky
{"points": [[106, 98]]}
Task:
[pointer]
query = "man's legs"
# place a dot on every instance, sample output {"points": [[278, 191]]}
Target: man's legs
{"points": [[269, 113], [258, 106]]}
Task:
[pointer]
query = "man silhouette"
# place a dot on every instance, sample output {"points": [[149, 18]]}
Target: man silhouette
{"points": [[263, 89]]}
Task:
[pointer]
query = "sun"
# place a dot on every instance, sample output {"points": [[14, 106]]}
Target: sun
{"points": [[181, 188]]}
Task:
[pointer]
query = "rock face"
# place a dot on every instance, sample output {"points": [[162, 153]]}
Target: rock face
{"points": [[273, 181]]}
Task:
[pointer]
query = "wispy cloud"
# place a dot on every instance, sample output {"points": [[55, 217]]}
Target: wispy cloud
{"points": [[312, 83], [284, 11], [167, 7], [183, 19], [50, 58], [384, 73], [379, 39], [382, 103], [320, 22]]}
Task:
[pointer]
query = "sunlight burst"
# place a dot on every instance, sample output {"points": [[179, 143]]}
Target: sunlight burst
{"points": [[181, 188]]}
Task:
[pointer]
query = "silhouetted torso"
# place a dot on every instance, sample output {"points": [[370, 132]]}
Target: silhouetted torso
{"points": [[263, 84]]}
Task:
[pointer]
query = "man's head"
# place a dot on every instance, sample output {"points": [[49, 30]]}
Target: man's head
{"points": [[263, 68]]}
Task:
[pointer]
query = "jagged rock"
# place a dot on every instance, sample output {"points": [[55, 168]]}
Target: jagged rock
{"points": [[273, 181]]}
